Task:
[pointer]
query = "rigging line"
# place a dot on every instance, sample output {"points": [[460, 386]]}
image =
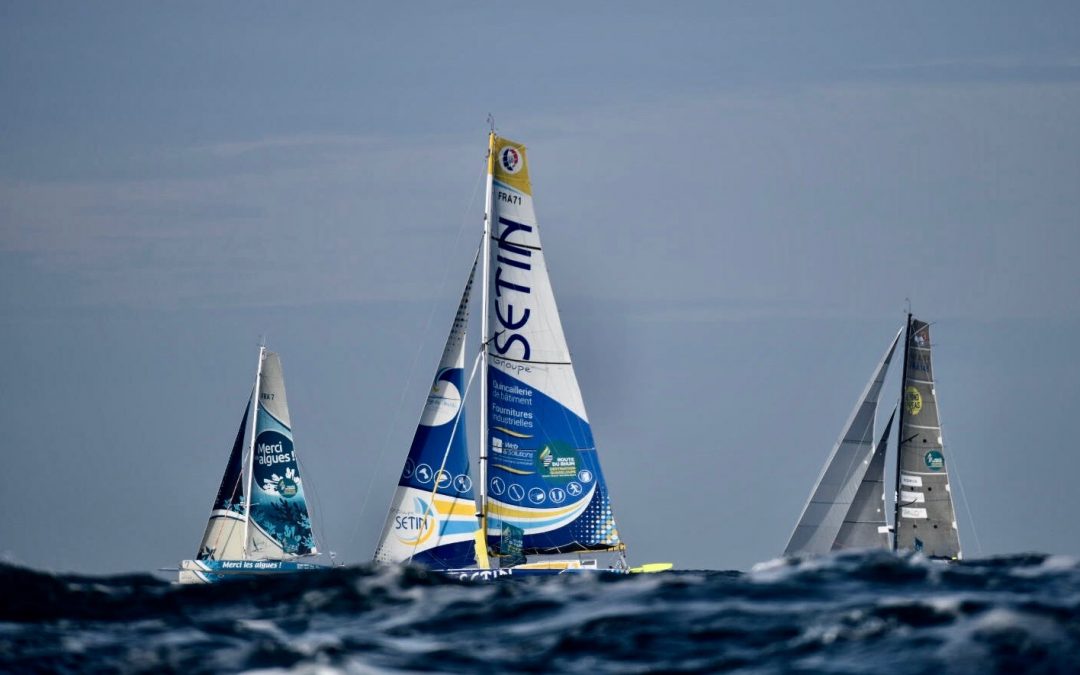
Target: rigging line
{"points": [[435, 302], [446, 453], [967, 507]]}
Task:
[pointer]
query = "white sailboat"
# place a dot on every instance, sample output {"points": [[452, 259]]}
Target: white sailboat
{"points": [[542, 492], [259, 522], [846, 509]]}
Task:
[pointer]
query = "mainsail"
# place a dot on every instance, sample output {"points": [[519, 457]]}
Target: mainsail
{"points": [[543, 472], [865, 525], [432, 518], [832, 496], [224, 535], [925, 518], [280, 526]]}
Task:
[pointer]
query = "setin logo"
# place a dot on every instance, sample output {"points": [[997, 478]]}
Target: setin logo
{"points": [[510, 158], [913, 400], [934, 460]]}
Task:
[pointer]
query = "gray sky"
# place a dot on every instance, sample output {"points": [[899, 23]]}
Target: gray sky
{"points": [[735, 199]]}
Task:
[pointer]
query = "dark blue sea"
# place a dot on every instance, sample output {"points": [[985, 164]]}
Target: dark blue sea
{"points": [[855, 613]]}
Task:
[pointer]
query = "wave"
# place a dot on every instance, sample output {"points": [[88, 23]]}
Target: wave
{"points": [[851, 612]]}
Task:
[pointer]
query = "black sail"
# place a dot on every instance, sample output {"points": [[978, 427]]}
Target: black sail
{"points": [[925, 517]]}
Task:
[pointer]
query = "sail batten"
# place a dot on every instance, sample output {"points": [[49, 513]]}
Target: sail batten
{"points": [[823, 516]]}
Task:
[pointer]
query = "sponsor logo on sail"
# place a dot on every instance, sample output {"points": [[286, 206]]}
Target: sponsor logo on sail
{"points": [[912, 401], [512, 296], [510, 159], [287, 488], [557, 460], [415, 527], [935, 461], [273, 448], [922, 337]]}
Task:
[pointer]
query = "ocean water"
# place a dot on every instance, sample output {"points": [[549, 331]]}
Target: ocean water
{"points": [[853, 613]]}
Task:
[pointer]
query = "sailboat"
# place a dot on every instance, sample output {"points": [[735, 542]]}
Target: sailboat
{"points": [[846, 509], [259, 522], [542, 502]]}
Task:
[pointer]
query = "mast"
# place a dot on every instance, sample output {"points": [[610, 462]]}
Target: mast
{"points": [[900, 433], [485, 256], [251, 448]]}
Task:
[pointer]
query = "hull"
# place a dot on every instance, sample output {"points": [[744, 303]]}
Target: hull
{"points": [[214, 571], [544, 569]]}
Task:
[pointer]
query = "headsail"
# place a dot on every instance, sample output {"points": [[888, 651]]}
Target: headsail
{"points": [[432, 518], [224, 535], [280, 523], [544, 473], [835, 490], [925, 518], [865, 525]]}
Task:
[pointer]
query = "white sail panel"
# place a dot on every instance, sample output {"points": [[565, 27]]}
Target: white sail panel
{"points": [[831, 498]]}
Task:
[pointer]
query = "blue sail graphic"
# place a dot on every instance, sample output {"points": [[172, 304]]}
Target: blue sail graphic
{"points": [[544, 474], [432, 519]]}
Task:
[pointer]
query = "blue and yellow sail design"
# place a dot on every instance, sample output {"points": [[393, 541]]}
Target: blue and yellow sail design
{"points": [[432, 519], [280, 522], [544, 473]]}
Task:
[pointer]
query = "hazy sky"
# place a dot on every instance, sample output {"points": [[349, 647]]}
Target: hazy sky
{"points": [[735, 201]]}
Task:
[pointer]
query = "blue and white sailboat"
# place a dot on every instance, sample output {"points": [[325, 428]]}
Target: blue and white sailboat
{"points": [[541, 489], [259, 522]]}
